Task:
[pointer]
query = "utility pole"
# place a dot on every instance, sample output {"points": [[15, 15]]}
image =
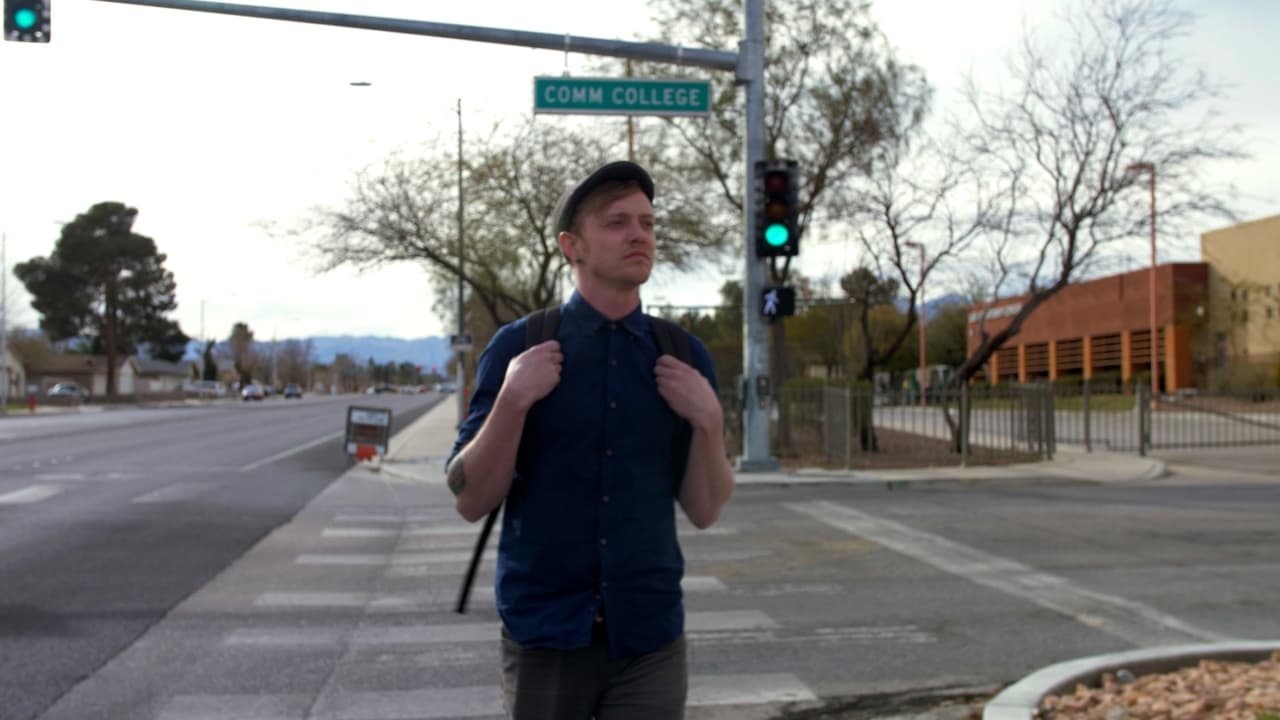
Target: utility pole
{"points": [[459, 356], [4, 326], [755, 358]]}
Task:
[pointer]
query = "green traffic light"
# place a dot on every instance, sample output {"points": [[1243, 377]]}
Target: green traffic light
{"points": [[25, 19], [776, 235]]}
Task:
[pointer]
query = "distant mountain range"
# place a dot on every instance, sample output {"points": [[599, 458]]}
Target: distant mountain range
{"points": [[427, 352], [434, 350]]}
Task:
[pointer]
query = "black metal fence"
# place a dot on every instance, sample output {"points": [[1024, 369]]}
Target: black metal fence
{"points": [[836, 426]]}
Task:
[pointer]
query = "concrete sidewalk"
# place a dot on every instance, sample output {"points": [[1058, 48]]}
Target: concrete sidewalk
{"points": [[418, 453]]}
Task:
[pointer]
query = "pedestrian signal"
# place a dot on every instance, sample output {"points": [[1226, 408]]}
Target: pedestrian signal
{"points": [[777, 302]]}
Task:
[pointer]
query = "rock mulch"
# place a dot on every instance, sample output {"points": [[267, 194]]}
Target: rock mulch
{"points": [[1210, 690]]}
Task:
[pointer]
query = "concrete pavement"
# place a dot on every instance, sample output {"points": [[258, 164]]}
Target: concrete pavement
{"points": [[346, 611]]}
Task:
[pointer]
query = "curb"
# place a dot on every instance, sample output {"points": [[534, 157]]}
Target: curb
{"points": [[1021, 700]]}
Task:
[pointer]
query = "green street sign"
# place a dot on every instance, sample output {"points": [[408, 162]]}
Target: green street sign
{"points": [[621, 96]]}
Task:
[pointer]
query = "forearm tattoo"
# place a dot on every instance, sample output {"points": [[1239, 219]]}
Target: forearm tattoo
{"points": [[457, 477]]}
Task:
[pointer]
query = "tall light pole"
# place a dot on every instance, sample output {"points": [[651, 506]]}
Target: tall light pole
{"points": [[4, 327], [460, 386], [924, 371], [1150, 169]]}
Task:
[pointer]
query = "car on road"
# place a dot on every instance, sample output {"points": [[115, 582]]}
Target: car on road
{"points": [[252, 391], [292, 391], [379, 389], [69, 389]]}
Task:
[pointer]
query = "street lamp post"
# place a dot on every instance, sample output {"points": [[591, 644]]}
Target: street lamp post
{"points": [[924, 371], [1150, 169]]}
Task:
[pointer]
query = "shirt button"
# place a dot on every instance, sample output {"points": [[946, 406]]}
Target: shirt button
{"points": [[604, 541], [613, 326], [604, 584], [605, 498], [609, 452], [613, 361], [612, 404]]}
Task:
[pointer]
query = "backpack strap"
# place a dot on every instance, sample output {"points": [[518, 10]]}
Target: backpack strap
{"points": [[672, 339], [541, 325]]}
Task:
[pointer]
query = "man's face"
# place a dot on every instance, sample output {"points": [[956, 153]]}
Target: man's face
{"points": [[616, 242]]}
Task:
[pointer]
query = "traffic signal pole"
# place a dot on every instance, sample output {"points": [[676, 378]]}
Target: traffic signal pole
{"points": [[755, 343], [748, 67]]}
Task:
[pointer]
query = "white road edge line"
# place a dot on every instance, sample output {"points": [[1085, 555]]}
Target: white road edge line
{"points": [[292, 451]]}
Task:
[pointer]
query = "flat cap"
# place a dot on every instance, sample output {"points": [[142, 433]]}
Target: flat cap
{"points": [[620, 170]]}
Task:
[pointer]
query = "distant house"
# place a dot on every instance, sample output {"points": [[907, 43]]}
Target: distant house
{"points": [[160, 376], [13, 374], [89, 371]]}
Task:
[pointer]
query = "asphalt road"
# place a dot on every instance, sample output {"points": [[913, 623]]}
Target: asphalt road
{"points": [[800, 597], [109, 519]]}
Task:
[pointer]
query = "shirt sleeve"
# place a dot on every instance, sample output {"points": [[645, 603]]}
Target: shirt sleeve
{"points": [[507, 343]]}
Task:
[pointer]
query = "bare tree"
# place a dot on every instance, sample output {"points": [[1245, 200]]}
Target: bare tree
{"points": [[1061, 137], [511, 264], [920, 207]]}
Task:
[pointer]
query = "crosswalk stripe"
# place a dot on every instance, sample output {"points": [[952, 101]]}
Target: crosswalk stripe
{"points": [[484, 701], [1133, 621], [174, 493], [393, 559], [236, 707], [29, 494], [759, 689]]}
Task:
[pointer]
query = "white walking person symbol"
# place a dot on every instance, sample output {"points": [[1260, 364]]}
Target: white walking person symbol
{"points": [[771, 302]]}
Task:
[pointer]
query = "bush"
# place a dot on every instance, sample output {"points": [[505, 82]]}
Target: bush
{"points": [[1240, 377]]}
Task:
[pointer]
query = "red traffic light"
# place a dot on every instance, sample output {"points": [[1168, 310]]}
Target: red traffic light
{"points": [[776, 182]]}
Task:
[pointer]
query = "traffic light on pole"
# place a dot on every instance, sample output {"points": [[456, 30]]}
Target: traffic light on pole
{"points": [[27, 20], [777, 209]]}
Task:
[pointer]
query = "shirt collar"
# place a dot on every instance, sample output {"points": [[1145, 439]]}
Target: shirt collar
{"points": [[580, 316]]}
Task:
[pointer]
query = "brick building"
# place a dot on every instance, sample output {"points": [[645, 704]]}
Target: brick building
{"points": [[1103, 326]]}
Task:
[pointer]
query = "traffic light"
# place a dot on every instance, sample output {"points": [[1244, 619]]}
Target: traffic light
{"points": [[27, 20], [777, 209]]}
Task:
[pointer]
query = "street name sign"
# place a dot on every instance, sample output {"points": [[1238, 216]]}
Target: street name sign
{"points": [[621, 96]]}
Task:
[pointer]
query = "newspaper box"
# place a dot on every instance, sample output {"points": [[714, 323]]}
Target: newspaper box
{"points": [[368, 431]]}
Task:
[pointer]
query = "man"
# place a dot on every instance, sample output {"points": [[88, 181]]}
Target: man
{"points": [[589, 438]]}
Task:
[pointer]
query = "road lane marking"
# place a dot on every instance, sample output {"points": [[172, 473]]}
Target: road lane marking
{"points": [[292, 451], [1133, 621], [173, 493], [30, 494], [486, 700]]}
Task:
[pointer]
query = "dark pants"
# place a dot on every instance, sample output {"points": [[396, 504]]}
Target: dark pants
{"points": [[546, 684]]}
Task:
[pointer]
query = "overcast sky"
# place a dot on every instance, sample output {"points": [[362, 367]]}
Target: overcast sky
{"points": [[213, 125]]}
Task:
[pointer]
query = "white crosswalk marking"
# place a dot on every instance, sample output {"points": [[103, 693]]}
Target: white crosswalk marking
{"points": [[30, 494], [236, 707], [174, 493], [1133, 621], [459, 702]]}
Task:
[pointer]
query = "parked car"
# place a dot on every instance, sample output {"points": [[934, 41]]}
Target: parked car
{"points": [[292, 391], [206, 389], [379, 389], [69, 389], [252, 391]]}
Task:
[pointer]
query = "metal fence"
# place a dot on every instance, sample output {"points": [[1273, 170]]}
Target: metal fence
{"points": [[846, 427], [837, 426]]}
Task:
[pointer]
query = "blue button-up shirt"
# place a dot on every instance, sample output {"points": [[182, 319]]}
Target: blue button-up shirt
{"points": [[589, 524]]}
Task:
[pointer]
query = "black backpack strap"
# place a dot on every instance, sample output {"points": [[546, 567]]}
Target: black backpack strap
{"points": [[672, 339], [541, 325]]}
